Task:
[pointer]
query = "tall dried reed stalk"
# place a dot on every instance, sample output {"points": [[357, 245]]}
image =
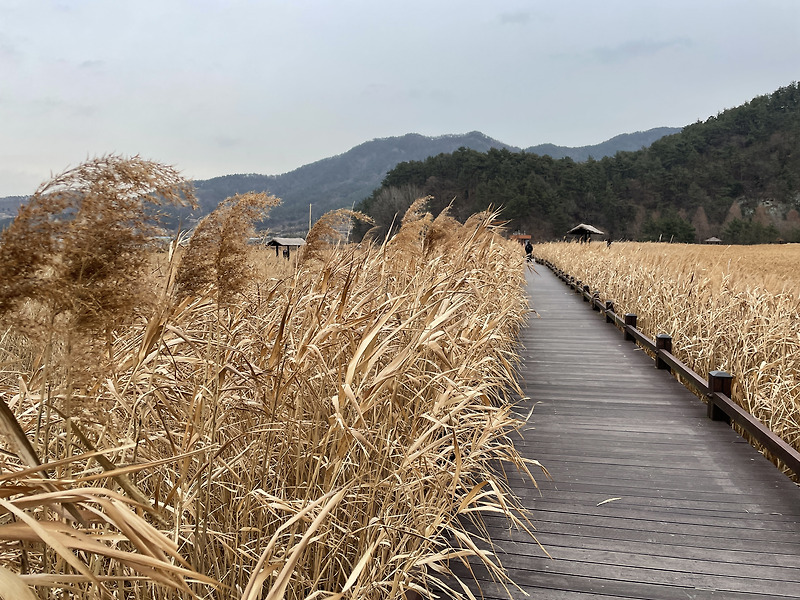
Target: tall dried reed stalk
{"points": [[216, 257], [733, 308], [334, 433], [79, 247], [331, 229]]}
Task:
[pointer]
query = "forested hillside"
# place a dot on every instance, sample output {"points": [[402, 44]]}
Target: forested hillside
{"points": [[735, 176], [334, 182], [340, 181]]}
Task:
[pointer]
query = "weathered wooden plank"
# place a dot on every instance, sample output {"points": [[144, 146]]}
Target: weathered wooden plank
{"points": [[632, 514], [555, 582], [619, 579], [602, 491], [648, 475], [682, 540], [711, 504], [677, 571], [764, 558], [682, 516], [710, 536], [661, 478], [672, 523]]}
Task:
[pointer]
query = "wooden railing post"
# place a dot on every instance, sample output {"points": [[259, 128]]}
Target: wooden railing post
{"points": [[663, 342], [609, 309], [719, 381], [630, 319], [585, 292], [596, 300]]}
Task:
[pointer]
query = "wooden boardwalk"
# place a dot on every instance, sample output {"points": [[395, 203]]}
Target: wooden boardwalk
{"points": [[649, 498]]}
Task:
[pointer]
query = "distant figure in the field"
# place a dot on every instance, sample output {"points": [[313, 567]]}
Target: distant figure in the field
{"points": [[286, 253], [528, 251]]}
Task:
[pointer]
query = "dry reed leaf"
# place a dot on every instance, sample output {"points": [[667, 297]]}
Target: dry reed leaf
{"points": [[608, 500], [253, 589], [12, 587], [57, 539], [153, 547], [11, 429], [282, 580]]}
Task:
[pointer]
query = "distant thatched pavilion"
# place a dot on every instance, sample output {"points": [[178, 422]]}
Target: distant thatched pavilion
{"points": [[585, 232], [286, 243], [712, 240]]}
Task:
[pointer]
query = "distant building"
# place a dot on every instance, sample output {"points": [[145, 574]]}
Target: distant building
{"points": [[520, 238], [712, 240], [584, 232], [286, 245]]}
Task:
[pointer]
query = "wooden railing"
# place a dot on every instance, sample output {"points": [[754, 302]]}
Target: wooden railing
{"points": [[716, 389]]}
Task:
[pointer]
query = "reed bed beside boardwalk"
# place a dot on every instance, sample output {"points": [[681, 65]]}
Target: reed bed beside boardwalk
{"points": [[734, 308], [334, 431]]}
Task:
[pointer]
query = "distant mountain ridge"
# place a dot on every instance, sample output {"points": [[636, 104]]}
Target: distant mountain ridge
{"points": [[336, 182], [346, 179], [626, 142]]}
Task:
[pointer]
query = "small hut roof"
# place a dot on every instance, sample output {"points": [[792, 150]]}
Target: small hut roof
{"points": [[286, 241], [584, 228], [713, 240]]}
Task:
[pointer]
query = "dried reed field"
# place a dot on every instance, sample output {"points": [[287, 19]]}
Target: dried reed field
{"points": [[734, 308], [213, 422]]}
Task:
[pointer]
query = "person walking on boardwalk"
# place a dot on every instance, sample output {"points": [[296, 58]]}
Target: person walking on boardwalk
{"points": [[528, 251]]}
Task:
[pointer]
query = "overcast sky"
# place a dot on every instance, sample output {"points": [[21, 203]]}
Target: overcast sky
{"points": [[216, 87]]}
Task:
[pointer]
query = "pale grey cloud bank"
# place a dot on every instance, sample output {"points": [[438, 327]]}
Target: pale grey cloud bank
{"points": [[238, 86], [640, 49]]}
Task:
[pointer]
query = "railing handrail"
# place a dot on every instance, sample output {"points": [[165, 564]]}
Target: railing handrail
{"points": [[720, 405]]}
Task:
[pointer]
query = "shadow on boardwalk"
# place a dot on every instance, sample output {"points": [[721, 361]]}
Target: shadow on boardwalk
{"points": [[649, 498]]}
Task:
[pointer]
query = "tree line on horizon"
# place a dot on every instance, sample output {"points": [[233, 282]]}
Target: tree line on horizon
{"points": [[735, 176]]}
